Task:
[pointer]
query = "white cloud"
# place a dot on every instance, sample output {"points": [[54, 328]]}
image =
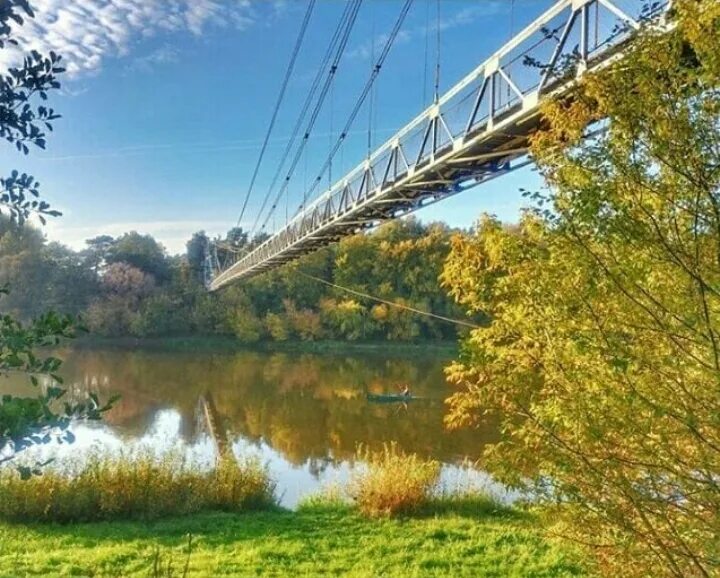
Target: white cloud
{"points": [[86, 32]]}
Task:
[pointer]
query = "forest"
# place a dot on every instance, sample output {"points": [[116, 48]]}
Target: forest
{"points": [[130, 286]]}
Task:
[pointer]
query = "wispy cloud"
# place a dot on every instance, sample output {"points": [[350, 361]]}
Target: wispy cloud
{"points": [[196, 147], [463, 17], [148, 62], [86, 32]]}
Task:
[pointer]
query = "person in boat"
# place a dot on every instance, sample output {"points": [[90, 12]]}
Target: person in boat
{"points": [[405, 391]]}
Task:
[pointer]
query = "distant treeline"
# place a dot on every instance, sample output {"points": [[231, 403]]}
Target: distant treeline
{"points": [[129, 286]]}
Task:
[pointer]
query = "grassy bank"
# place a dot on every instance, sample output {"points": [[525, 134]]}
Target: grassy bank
{"points": [[329, 541], [216, 343], [144, 515]]}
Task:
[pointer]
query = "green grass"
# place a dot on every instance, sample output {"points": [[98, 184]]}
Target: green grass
{"points": [[453, 540]]}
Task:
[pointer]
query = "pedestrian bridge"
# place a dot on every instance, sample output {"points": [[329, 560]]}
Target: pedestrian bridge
{"points": [[477, 131]]}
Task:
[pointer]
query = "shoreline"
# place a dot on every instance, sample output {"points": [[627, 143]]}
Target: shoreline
{"points": [[228, 344]]}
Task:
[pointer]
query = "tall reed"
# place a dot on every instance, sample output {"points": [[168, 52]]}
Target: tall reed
{"points": [[140, 486], [390, 482]]}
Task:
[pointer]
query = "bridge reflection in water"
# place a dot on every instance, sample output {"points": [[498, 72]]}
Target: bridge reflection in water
{"points": [[303, 413]]}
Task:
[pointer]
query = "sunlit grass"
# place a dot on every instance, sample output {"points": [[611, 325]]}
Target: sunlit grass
{"points": [[312, 542], [391, 518], [331, 497], [138, 486]]}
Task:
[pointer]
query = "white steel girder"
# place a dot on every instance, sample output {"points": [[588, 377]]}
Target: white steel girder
{"points": [[476, 131]]}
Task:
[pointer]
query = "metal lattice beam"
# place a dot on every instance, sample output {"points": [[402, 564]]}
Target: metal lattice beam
{"points": [[477, 131]]}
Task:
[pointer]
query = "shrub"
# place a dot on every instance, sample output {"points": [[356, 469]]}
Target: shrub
{"points": [[277, 326], [390, 482], [133, 487], [247, 327], [304, 322]]}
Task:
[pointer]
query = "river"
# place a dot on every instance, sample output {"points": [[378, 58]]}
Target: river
{"points": [[303, 414]]}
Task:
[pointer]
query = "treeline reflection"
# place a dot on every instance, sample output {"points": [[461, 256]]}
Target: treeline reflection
{"points": [[309, 407]]}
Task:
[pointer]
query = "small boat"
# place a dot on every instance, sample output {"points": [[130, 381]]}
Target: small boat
{"points": [[390, 397]]}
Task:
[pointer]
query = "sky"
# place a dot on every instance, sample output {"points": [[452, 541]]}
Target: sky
{"points": [[165, 105]]}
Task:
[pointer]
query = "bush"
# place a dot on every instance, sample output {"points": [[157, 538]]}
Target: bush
{"points": [[133, 487], [305, 323], [390, 482], [277, 326], [247, 327], [161, 314]]}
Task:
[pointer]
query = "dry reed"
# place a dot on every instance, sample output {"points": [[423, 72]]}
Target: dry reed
{"points": [[134, 487]]}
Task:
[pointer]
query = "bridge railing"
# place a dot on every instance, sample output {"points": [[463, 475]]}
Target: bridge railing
{"points": [[569, 38]]}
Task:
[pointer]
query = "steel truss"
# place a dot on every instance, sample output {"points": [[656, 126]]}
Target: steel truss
{"points": [[477, 131]]}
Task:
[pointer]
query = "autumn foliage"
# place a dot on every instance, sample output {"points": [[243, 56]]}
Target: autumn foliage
{"points": [[602, 356]]}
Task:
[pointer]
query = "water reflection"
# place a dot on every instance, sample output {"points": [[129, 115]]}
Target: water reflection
{"points": [[304, 414]]}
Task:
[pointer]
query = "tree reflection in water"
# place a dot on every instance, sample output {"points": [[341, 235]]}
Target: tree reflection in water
{"points": [[311, 409]]}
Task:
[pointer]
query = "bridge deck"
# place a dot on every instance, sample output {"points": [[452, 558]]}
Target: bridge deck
{"points": [[477, 131]]}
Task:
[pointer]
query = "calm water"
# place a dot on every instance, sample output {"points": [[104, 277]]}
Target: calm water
{"points": [[303, 414]]}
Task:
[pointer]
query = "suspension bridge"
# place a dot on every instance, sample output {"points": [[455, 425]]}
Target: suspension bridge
{"points": [[477, 131]]}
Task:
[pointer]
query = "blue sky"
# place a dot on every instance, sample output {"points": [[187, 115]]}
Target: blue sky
{"points": [[167, 103]]}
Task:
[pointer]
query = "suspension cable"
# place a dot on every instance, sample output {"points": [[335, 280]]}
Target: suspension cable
{"points": [[512, 19], [370, 104], [364, 94], [512, 34], [427, 49], [331, 135], [352, 16], [281, 95], [390, 303], [308, 101], [437, 53]]}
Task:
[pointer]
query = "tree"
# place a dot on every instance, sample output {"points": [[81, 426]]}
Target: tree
{"points": [[125, 291], [26, 421], [21, 122], [234, 244], [124, 280], [307, 292], [601, 354], [161, 314], [346, 319], [97, 251], [237, 237], [277, 327], [50, 275], [197, 246], [142, 252], [305, 323]]}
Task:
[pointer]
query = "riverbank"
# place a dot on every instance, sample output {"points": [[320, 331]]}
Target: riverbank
{"points": [[331, 540], [230, 344], [162, 516]]}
